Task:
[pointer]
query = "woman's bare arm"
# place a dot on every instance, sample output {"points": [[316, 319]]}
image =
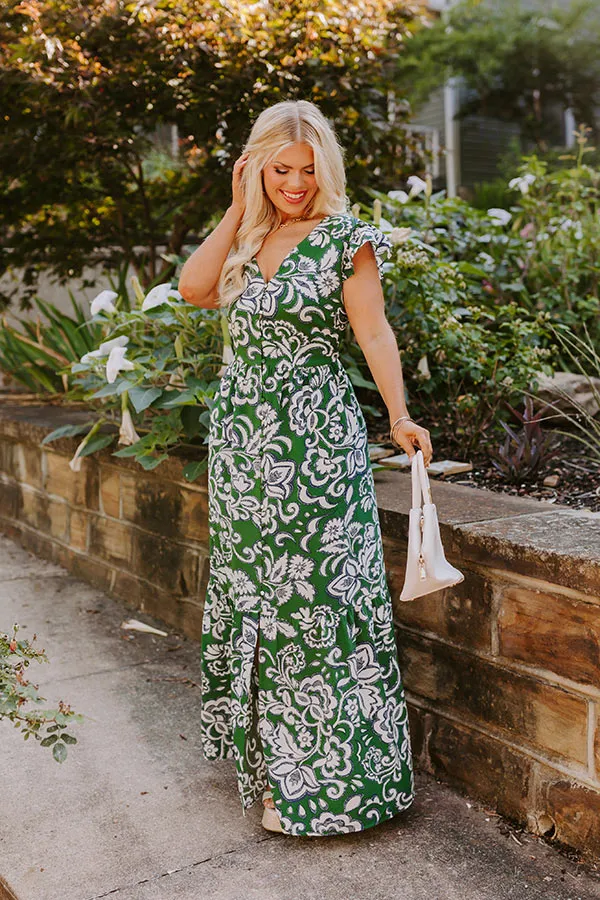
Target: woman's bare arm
{"points": [[201, 272], [365, 306]]}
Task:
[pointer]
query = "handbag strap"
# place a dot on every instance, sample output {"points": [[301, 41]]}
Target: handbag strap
{"points": [[420, 481]]}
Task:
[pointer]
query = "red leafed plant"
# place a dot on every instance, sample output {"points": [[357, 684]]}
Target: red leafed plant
{"points": [[526, 451]]}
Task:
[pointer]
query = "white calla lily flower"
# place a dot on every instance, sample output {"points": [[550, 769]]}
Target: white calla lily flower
{"points": [[522, 182], [416, 184], [103, 302], [385, 226], [127, 433], [501, 216], [116, 363], [402, 196], [423, 367], [105, 348], [160, 294], [75, 463]]}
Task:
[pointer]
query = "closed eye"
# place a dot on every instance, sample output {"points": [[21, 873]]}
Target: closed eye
{"points": [[280, 172]]}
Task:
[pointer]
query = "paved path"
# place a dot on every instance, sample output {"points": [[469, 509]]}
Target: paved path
{"points": [[134, 813]]}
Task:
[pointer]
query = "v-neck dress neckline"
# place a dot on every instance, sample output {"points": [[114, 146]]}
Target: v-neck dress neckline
{"points": [[291, 252]]}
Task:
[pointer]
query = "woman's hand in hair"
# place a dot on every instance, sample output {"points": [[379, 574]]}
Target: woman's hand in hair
{"points": [[237, 195]]}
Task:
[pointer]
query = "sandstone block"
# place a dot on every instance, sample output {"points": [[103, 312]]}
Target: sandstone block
{"points": [[462, 614], [167, 564], [194, 517], [8, 462], [78, 488], [10, 500], [525, 709], [110, 494], [78, 530], [110, 541], [551, 631], [29, 465], [44, 513], [128, 495], [566, 811], [152, 504], [481, 766]]}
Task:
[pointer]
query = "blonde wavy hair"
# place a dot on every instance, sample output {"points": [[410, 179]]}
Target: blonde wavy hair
{"points": [[277, 127]]}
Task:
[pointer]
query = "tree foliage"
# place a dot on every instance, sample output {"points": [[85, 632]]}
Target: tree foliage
{"points": [[85, 86], [521, 62]]}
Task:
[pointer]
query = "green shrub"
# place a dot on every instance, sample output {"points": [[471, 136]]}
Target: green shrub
{"points": [[153, 376], [38, 355], [460, 359]]}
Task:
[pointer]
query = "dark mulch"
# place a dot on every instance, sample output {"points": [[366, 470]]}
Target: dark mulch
{"points": [[577, 486]]}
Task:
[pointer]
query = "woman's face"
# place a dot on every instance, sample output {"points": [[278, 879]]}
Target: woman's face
{"points": [[289, 179]]}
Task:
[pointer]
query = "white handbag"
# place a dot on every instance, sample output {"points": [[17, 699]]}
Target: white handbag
{"points": [[427, 568]]}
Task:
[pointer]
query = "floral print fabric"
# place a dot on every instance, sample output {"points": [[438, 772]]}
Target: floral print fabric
{"points": [[296, 559]]}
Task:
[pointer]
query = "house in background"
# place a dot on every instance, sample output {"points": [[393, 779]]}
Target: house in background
{"points": [[466, 151]]}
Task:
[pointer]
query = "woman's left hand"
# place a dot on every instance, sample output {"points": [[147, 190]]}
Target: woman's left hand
{"points": [[408, 433]]}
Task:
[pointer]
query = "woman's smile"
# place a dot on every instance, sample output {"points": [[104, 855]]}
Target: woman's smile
{"points": [[296, 197]]}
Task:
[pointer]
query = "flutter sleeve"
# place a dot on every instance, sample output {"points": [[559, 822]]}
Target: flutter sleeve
{"points": [[360, 234]]}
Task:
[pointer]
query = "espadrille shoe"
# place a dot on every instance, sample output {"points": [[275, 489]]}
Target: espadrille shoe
{"points": [[270, 819]]}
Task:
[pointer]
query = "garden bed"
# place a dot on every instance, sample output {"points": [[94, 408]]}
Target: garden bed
{"points": [[577, 484]]}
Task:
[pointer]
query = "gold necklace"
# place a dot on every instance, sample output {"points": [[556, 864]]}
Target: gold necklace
{"points": [[290, 221]]}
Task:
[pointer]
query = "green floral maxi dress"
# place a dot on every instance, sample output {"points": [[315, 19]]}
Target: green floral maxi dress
{"points": [[296, 559]]}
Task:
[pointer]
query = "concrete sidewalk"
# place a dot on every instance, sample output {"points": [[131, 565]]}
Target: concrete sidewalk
{"points": [[135, 813]]}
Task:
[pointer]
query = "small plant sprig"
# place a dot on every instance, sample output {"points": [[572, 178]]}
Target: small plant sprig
{"points": [[524, 453], [48, 726]]}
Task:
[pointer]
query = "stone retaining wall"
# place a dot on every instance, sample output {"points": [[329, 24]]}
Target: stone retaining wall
{"points": [[502, 672]]}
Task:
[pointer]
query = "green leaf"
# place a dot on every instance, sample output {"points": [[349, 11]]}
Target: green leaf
{"points": [[113, 390], [59, 752], [131, 450], [191, 420], [98, 442], [66, 431], [108, 390], [358, 381], [173, 399], [151, 462], [193, 469], [137, 448], [469, 269], [142, 398]]}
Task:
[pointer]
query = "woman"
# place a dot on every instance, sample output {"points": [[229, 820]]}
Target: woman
{"points": [[300, 677]]}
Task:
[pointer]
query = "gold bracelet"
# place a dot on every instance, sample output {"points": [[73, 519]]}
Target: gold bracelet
{"points": [[397, 422], [399, 419]]}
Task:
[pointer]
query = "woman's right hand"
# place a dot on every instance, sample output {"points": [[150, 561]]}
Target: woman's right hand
{"points": [[237, 196]]}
